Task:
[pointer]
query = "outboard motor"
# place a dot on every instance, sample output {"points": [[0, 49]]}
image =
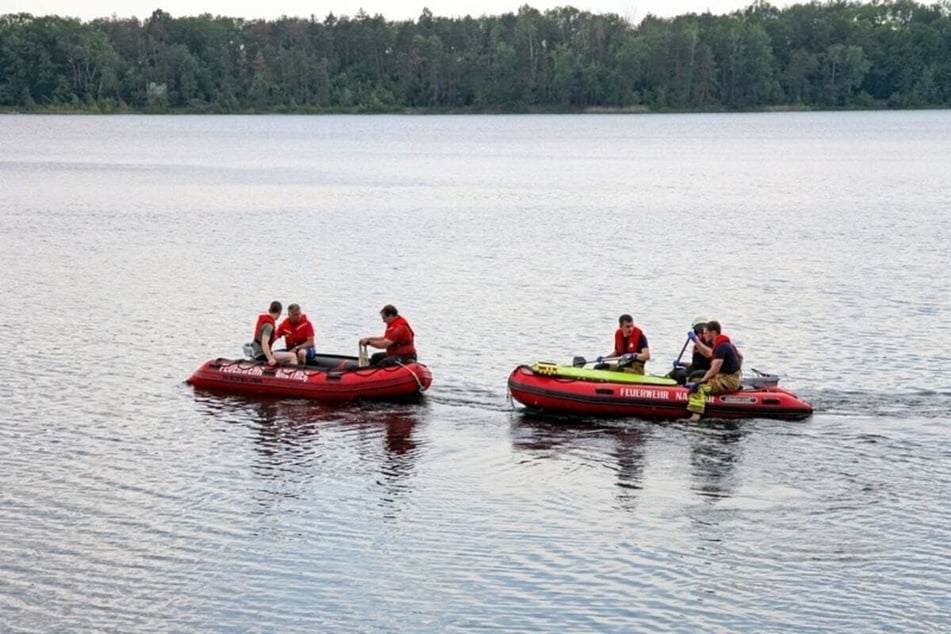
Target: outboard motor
{"points": [[760, 380]]}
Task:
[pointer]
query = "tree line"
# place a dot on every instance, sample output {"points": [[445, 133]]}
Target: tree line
{"points": [[833, 54]]}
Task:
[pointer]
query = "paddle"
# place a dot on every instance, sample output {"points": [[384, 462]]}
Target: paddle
{"points": [[682, 351], [579, 362]]}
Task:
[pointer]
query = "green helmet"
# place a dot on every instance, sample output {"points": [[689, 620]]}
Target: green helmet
{"points": [[698, 321]]}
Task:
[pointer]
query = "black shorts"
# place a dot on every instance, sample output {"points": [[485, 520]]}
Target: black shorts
{"points": [[380, 359]]}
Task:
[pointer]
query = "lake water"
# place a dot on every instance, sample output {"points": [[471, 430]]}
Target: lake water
{"points": [[133, 248]]}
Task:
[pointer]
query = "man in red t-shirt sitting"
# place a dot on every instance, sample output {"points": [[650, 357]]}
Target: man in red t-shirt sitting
{"points": [[397, 341], [298, 334]]}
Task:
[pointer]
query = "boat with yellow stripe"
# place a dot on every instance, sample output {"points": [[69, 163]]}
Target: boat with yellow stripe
{"points": [[574, 389]]}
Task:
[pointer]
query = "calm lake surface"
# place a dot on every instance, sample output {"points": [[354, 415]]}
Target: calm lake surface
{"points": [[133, 248]]}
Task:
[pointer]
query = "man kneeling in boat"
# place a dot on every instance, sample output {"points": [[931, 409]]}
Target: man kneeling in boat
{"points": [[630, 348], [397, 340], [724, 375]]}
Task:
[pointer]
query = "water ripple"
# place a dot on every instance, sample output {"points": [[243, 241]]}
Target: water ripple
{"points": [[132, 502]]}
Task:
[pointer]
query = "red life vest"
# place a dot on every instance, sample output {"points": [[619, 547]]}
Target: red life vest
{"points": [[264, 319], [402, 345], [632, 341], [295, 334]]}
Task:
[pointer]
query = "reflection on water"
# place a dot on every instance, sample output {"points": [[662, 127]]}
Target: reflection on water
{"points": [[714, 453], [287, 432], [548, 436], [630, 455], [301, 440], [714, 449]]}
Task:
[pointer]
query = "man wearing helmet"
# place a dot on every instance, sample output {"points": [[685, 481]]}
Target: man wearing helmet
{"points": [[700, 358]]}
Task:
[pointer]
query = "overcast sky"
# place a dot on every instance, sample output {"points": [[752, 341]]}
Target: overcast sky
{"points": [[633, 10]]}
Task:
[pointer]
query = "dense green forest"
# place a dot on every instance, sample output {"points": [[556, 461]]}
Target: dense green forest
{"points": [[834, 54]]}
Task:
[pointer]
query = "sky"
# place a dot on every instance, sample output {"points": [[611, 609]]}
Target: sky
{"points": [[391, 10]]}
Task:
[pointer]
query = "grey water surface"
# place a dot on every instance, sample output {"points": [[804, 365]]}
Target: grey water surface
{"points": [[133, 248]]}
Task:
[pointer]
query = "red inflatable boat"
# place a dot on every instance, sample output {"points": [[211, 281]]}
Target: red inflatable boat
{"points": [[574, 390], [328, 378]]}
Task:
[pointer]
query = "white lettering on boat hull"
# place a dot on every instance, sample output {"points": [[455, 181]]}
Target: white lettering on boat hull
{"points": [[259, 370], [634, 392]]}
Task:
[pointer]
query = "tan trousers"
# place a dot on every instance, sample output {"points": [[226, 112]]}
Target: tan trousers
{"points": [[719, 384], [636, 367]]}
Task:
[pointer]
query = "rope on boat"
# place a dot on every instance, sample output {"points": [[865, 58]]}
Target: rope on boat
{"points": [[418, 382]]}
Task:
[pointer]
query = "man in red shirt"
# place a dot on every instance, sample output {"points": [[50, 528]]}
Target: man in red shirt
{"points": [[397, 341], [298, 334]]}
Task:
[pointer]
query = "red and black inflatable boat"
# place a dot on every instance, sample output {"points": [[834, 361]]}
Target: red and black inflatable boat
{"points": [[327, 378], [573, 390]]}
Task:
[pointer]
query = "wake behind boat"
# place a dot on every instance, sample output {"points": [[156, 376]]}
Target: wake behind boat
{"points": [[326, 377], [578, 390]]}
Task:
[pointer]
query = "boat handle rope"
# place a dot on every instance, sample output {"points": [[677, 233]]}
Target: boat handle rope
{"points": [[418, 382]]}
